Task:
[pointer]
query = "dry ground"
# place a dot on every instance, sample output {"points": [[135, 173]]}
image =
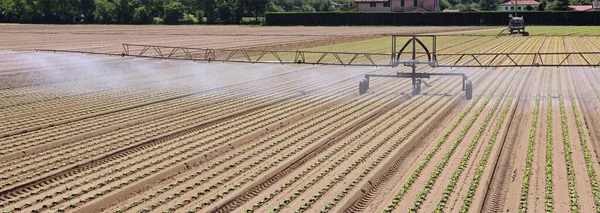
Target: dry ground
{"points": [[98, 133]]}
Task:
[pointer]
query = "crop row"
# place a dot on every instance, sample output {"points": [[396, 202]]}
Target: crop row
{"points": [[567, 147], [530, 143], [483, 126], [348, 154], [137, 134], [412, 178], [320, 129], [169, 147], [86, 90], [31, 103], [468, 200], [414, 175], [463, 163], [549, 202], [53, 90], [296, 131], [589, 162], [63, 114], [479, 171], [127, 116], [188, 149]]}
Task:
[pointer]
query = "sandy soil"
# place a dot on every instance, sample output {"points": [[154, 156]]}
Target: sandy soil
{"points": [[107, 134]]}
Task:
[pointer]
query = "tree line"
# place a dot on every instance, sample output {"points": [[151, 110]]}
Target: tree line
{"points": [[154, 11], [198, 11], [493, 5]]}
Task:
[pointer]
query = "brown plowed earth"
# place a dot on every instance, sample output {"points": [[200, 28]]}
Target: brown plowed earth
{"points": [[75, 169], [411, 194], [445, 176], [503, 174], [231, 145], [560, 188], [83, 166], [334, 139], [537, 180], [364, 201], [195, 154], [105, 38], [510, 196], [377, 183], [583, 187], [407, 156]]}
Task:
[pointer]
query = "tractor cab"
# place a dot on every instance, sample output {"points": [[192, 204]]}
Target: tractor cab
{"points": [[517, 25]]}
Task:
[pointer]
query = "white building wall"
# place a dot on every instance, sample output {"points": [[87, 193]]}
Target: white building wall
{"points": [[365, 7], [520, 7]]}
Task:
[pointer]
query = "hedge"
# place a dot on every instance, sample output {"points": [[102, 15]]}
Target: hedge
{"points": [[430, 19]]}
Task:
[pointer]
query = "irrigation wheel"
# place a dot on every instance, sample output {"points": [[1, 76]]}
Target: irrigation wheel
{"points": [[417, 87], [362, 86], [469, 89]]}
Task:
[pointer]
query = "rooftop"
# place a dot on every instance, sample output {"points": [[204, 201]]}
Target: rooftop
{"points": [[369, 1], [524, 2], [581, 7]]}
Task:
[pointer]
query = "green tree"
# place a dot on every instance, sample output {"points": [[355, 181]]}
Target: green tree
{"points": [[528, 8], [67, 10], [173, 13], [256, 7], [223, 11], [444, 4], [12, 10], [141, 16], [542, 5], [106, 12], [560, 5], [86, 9]]}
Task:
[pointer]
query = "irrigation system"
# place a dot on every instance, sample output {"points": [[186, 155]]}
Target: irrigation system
{"points": [[413, 52]]}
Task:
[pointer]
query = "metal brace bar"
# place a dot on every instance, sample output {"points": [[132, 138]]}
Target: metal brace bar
{"points": [[157, 49], [276, 56], [173, 52], [512, 60], [338, 58], [493, 59], [476, 60], [231, 54], [146, 48], [370, 59], [246, 55], [262, 54], [187, 54], [564, 59], [459, 58], [351, 60], [322, 57], [586, 61]]}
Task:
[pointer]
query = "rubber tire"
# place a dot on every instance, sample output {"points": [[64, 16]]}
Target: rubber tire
{"points": [[525, 33], [361, 87], [417, 87], [468, 89]]}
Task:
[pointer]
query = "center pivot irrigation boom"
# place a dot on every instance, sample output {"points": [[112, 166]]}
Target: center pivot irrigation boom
{"points": [[414, 52]]}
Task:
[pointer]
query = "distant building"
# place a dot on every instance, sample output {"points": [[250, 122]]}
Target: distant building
{"points": [[519, 5], [581, 7], [335, 5], [398, 5]]}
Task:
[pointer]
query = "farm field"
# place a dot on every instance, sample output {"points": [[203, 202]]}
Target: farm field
{"points": [[84, 133], [545, 31]]}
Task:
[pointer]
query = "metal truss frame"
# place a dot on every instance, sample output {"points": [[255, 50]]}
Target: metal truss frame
{"points": [[256, 56]]}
